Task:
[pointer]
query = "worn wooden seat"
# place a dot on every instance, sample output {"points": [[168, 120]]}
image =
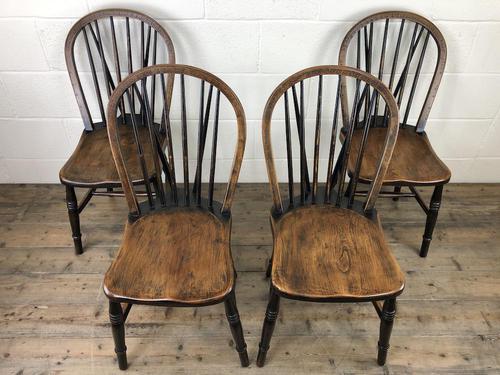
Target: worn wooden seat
{"points": [[176, 246], [322, 252], [173, 256], [327, 246], [398, 47], [102, 48], [403, 170], [91, 164]]}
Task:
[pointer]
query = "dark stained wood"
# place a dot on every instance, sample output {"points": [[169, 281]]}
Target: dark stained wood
{"points": [[117, 320], [289, 154], [321, 251], [233, 317], [185, 160], [273, 307], [343, 72], [329, 253], [94, 17], [405, 18], [74, 219], [317, 135], [432, 215], [92, 165], [174, 254], [213, 157], [413, 162], [387, 315], [182, 70], [181, 256]]}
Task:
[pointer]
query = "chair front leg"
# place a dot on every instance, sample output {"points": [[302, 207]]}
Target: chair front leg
{"points": [[233, 318], [74, 218], [118, 328], [386, 322], [269, 323], [432, 216]]}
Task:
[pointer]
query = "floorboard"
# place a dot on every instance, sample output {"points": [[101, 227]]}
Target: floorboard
{"points": [[53, 313]]}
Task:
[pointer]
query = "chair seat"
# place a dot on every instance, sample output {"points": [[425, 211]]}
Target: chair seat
{"points": [[179, 255], [413, 161], [92, 164], [322, 252]]}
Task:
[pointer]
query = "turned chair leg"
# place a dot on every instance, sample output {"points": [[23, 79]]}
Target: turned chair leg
{"points": [[118, 329], [233, 318], [397, 190], [386, 323], [431, 219], [74, 218], [267, 329]]}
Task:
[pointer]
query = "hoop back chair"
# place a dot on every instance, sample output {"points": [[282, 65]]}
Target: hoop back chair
{"points": [[176, 245], [329, 247], [101, 49], [399, 47]]}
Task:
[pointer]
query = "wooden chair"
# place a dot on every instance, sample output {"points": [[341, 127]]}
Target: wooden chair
{"points": [[176, 246], [327, 246], [399, 40], [114, 43]]}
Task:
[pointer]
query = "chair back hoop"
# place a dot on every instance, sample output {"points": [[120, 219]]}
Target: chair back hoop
{"points": [[95, 29], [335, 174], [416, 47], [164, 163]]}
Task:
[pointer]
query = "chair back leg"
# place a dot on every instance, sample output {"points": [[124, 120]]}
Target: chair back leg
{"points": [[386, 322], [267, 330], [233, 318], [118, 328], [74, 218], [431, 220], [397, 190]]}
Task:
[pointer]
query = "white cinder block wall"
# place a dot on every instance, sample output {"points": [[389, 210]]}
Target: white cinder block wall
{"points": [[252, 45]]}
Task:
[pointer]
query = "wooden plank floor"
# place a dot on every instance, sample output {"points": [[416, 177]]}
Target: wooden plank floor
{"points": [[53, 313]]}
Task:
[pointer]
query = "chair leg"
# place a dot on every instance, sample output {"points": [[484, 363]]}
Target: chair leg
{"points": [[347, 192], [267, 329], [386, 323], [233, 318], [118, 329], [431, 220], [397, 190], [74, 218], [269, 267]]}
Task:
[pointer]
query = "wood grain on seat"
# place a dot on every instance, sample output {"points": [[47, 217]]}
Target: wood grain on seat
{"points": [[325, 252], [413, 160], [92, 164], [179, 255]]}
